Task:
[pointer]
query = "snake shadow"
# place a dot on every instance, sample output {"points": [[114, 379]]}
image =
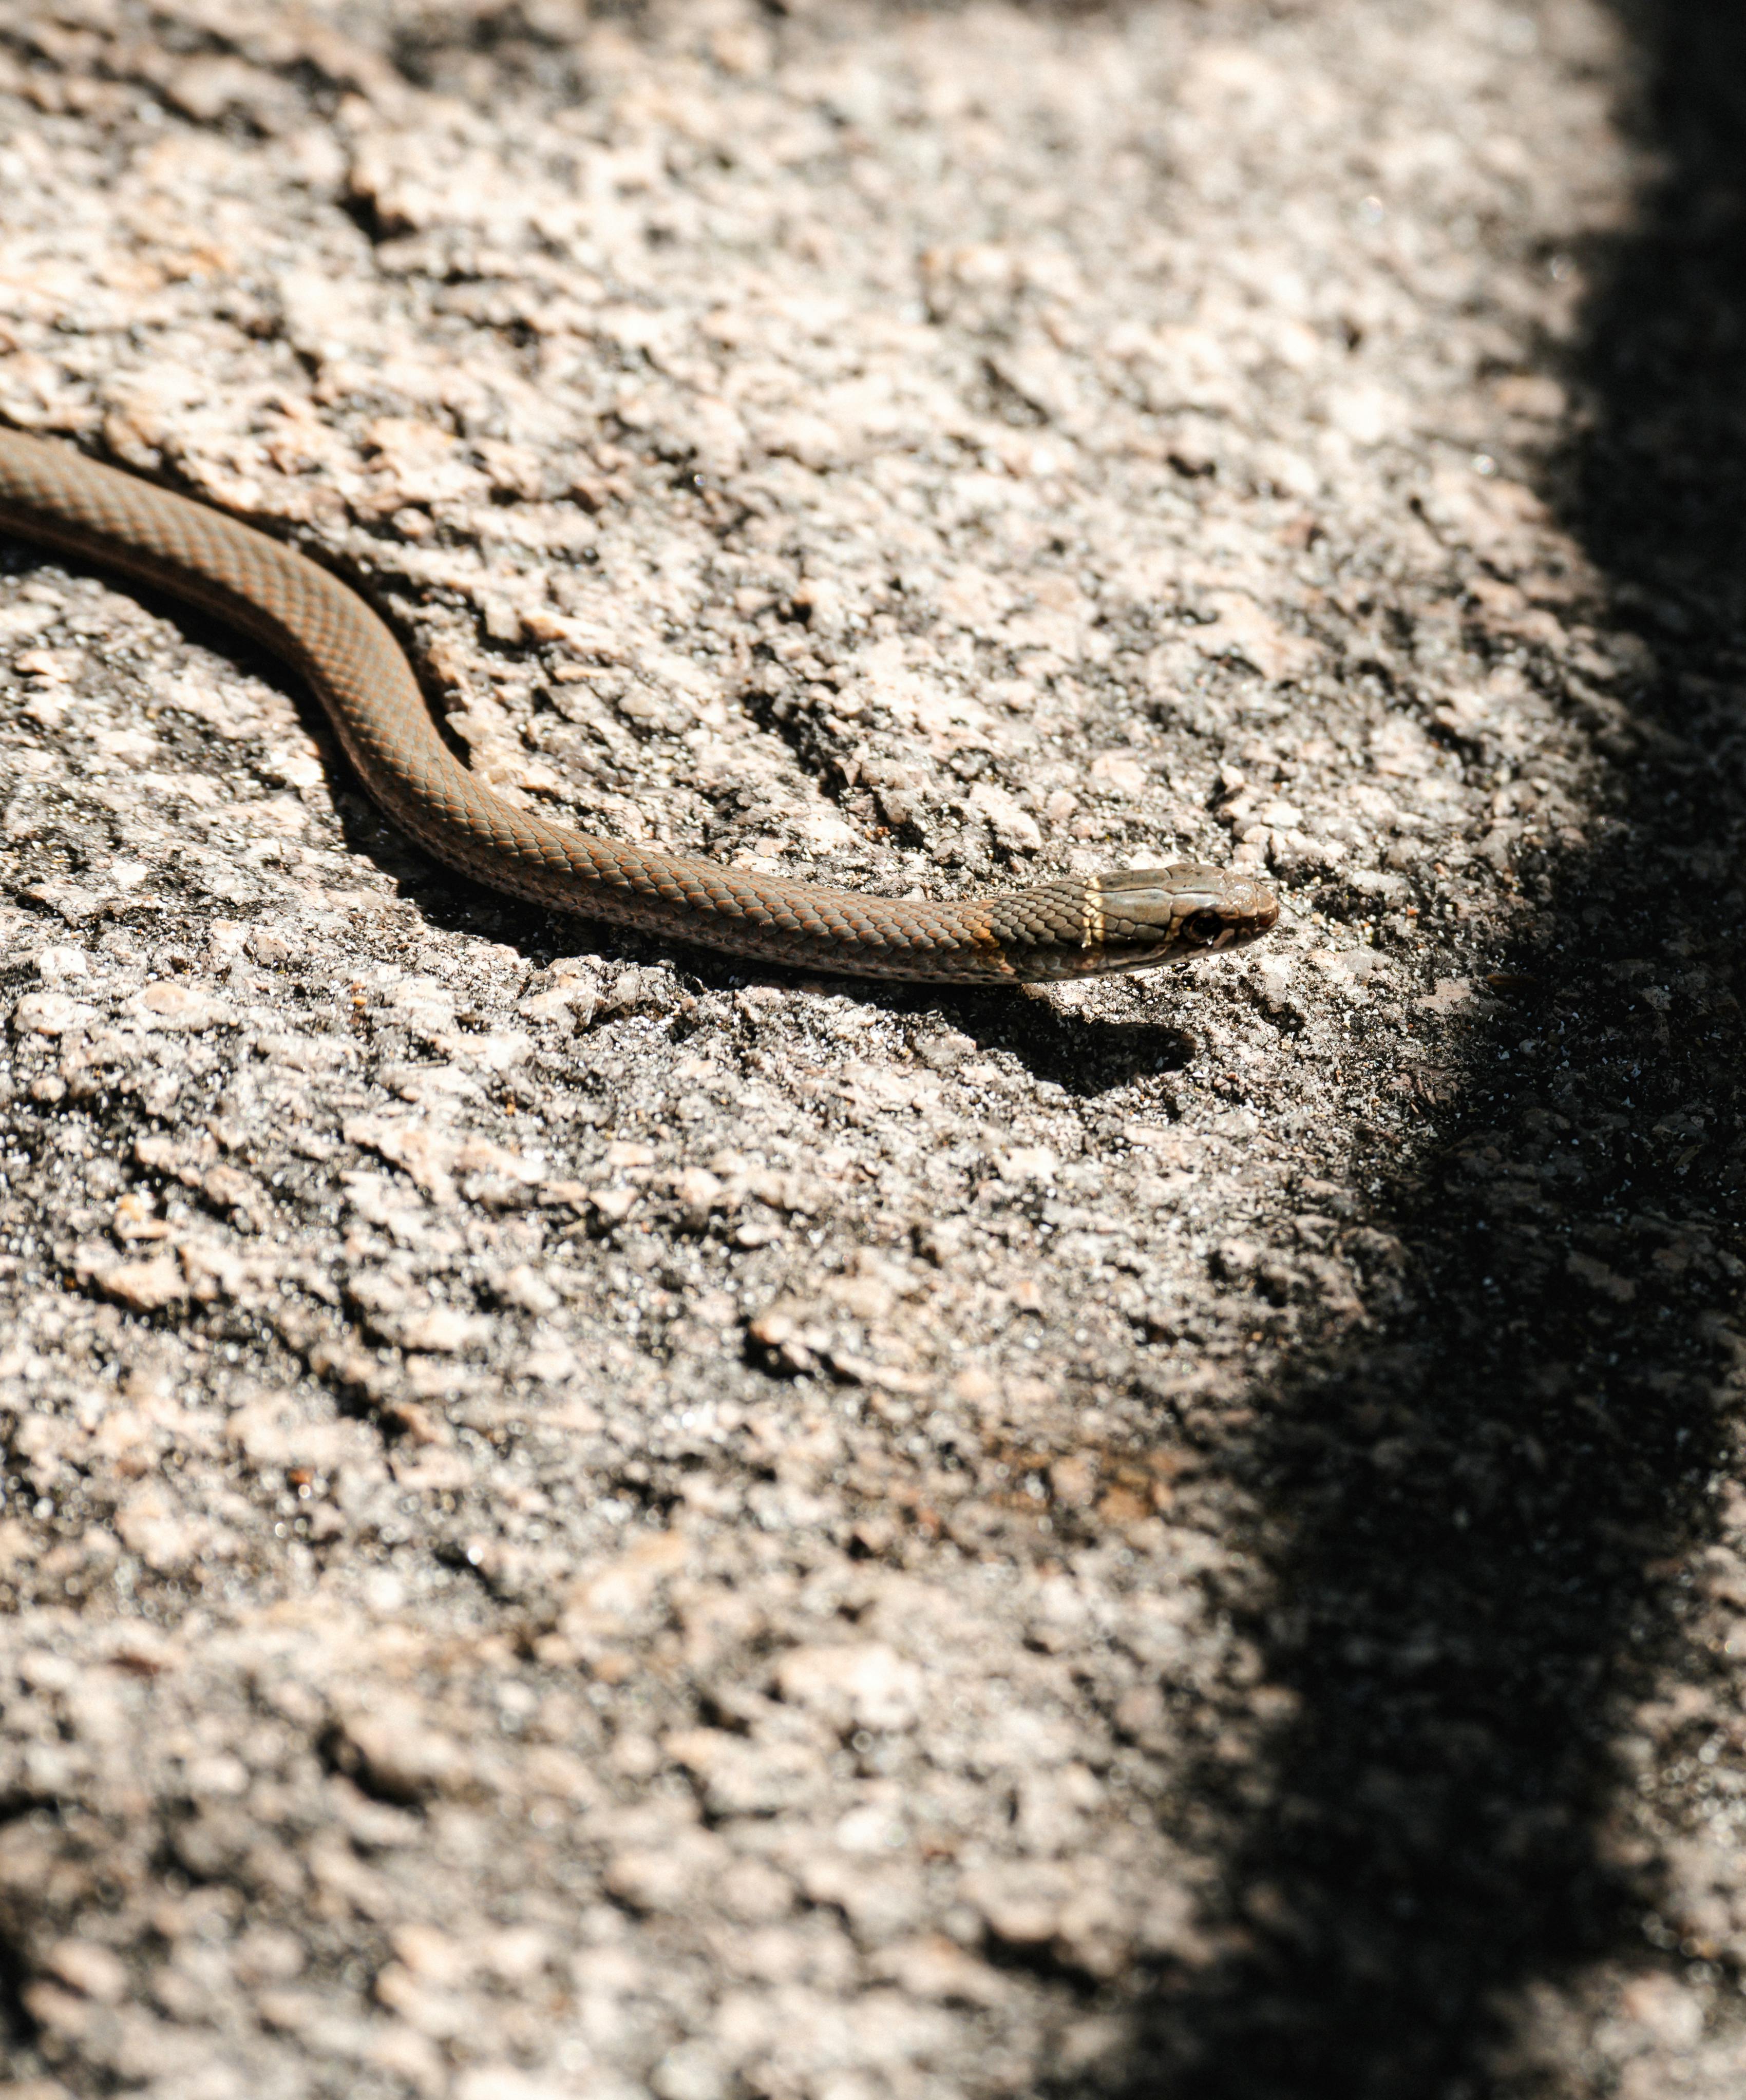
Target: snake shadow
{"points": [[1084, 1055], [1470, 1518]]}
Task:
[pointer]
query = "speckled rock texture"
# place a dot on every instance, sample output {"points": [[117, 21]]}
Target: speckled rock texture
{"points": [[582, 1521]]}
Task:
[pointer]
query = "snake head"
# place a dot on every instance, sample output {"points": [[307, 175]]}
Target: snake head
{"points": [[1154, 915]]}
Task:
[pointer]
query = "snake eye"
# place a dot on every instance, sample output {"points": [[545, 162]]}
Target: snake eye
{"points": [[1203, 929]]}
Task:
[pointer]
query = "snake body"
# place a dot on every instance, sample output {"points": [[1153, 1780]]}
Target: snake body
{"points": [[1123, 920]]}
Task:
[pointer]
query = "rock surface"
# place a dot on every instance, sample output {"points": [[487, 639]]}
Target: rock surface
{"points": [[578, 1519]]}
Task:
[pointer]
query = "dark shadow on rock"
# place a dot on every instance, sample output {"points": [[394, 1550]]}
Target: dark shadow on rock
{"points": [[1085, 1055], [1468, 1514], [20, 2029]]}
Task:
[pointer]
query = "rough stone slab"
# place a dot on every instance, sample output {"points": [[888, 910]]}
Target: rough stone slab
{"points": [[578, 1521]]}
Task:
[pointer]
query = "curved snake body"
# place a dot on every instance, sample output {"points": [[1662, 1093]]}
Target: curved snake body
{"points": [[1122, 920]]}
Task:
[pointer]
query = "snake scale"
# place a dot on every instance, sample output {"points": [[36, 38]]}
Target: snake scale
{"points": [[1125, 919]]}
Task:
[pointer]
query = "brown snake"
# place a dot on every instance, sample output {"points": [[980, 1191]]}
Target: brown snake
{"points": [[1126, 919]]}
